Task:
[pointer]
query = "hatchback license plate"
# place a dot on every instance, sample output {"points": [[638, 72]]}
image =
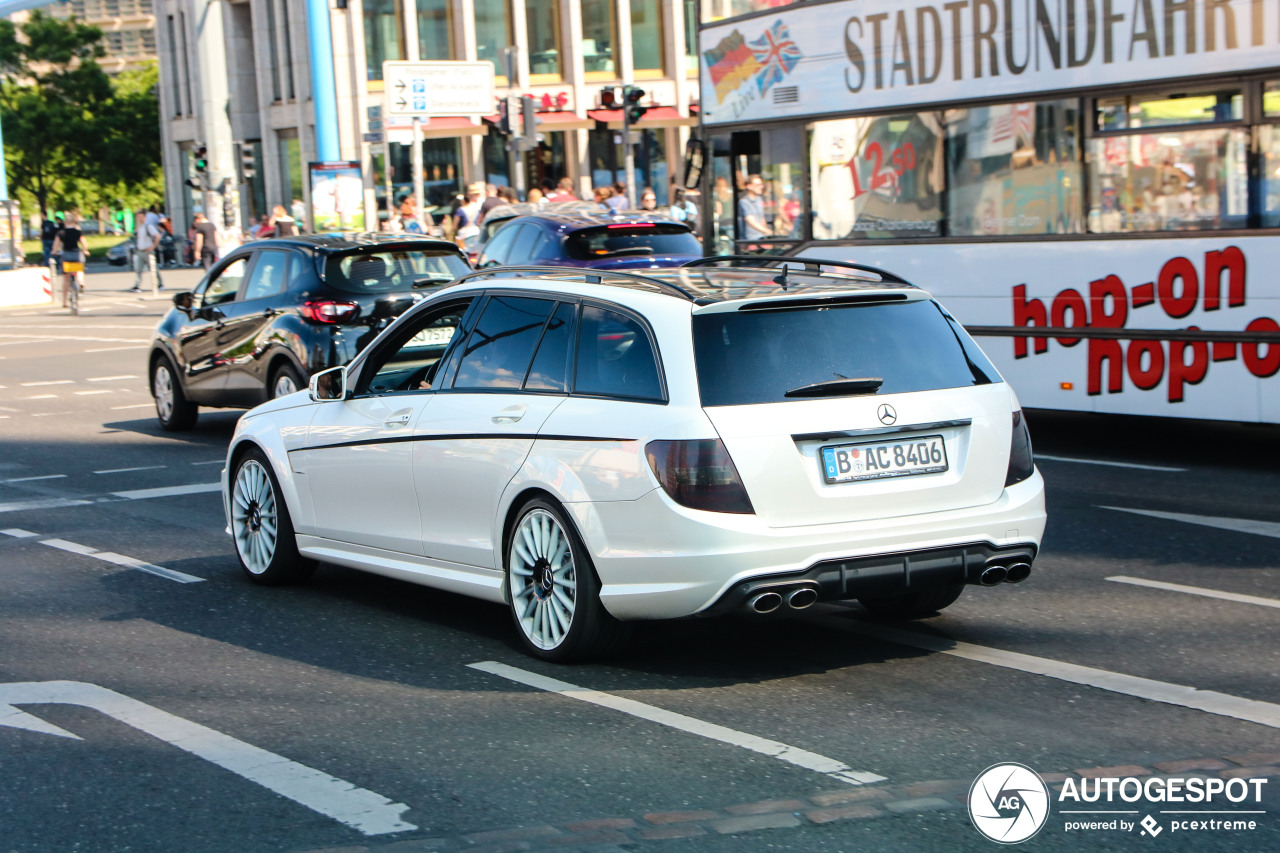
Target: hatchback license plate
{"points": [[845, 463]]}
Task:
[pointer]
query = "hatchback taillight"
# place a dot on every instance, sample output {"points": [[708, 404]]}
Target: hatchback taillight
{"points": [[328, 311], [1022, 463], [699, 474]]}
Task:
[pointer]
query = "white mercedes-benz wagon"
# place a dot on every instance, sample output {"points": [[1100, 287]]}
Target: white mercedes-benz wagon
{"points": [[592, 448]]}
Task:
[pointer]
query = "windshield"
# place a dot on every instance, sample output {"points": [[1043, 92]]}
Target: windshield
{"points": [[382, 270], [642, 239], [748, 357]]}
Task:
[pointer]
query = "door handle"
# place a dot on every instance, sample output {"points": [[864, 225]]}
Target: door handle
{"points": [[509, 415], [399, 418]]}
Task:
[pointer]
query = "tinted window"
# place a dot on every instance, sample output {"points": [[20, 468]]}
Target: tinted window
{"points": [[550, 368], [382, 270], [522, 250], [411, 363], [499, 350], [268, 276], [226, 285], [615, 358], [746, 357], [496, 249], [619, 240]]}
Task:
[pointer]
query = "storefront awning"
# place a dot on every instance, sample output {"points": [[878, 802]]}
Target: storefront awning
{"points": [[401, 130], [653, 117], [555, 120]]}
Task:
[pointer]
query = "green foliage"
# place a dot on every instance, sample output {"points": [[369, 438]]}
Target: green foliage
{"points": [[75, 137]]}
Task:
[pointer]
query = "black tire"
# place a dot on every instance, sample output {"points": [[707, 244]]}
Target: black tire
{"points": [[261, 527], [538, 595], [913, 605], [281, 375], [174, 411]]}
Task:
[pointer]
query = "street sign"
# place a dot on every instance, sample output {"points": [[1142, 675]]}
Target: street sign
{"points": [[374, 138], [425, 89], [375, 112]]}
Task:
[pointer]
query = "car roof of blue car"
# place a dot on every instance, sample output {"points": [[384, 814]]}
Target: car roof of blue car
{"points": [[569, 221]]}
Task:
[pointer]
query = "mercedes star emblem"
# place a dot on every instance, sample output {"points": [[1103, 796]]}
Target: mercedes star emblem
{"points": [[886, 414]]}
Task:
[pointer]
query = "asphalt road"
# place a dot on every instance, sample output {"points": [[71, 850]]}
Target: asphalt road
{"points": [[151, 699]]}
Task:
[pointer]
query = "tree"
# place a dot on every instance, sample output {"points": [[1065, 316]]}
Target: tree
{"points": [[73, 135]]}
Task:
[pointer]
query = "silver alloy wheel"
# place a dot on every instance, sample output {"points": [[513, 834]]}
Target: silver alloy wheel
{"points": [[544, 584], [163, 385], [253, 516], [284, 385]]}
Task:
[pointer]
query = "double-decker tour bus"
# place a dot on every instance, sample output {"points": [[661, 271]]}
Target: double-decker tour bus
{"points": [[1090, 186]]}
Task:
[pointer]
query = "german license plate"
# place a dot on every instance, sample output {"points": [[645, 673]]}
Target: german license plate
{"points": [[845, 463], [432, 336]]}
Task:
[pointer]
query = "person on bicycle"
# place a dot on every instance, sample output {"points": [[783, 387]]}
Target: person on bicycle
{"points": [[69, 245]]}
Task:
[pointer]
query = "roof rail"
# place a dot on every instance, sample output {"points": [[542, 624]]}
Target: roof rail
{"points": [[590, 276], [809, 264]]}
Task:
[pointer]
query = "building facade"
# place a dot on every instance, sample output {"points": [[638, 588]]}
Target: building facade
{"points": [[237, 76], [128, 28]]}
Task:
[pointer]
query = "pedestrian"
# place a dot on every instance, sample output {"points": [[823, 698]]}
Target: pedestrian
{"points": [[751, 221], [492, 199], [282, 224], [536, 196], [564, 191], [602, 196], [146, 243], [648, 199], [682, 209], [206, 248], [467, 222], [409, 222], [70, 247], [620, 192], [48, 233]]}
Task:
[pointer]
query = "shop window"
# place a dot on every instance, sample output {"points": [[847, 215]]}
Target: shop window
{"points": [[877, 177], [434, 28], [542, 18], [381, 35], [1014, 169], [1133, 112], [1183, 180], [493, 33], [646, 37], [599, 40]]}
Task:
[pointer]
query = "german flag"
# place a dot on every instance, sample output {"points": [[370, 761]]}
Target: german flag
{"points": [[730, 63]]}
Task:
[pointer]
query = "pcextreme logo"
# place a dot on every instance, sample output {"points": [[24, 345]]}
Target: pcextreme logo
{"points": [[1009, 803]]}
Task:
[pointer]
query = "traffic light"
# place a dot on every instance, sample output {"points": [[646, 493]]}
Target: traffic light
{"points": [[504, 120], [531, 120], [201, 155], [248, 162], [608, 98], [631, 96]]}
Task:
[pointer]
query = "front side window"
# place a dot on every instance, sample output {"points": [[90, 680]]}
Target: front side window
{"points": [[270, 272], [227, 284], [498, 351], [411, 363], [877, 177], [1014, 169], [750, 357], [615, 357]]}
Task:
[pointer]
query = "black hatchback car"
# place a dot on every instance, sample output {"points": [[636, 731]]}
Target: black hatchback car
{"points": [[630, 240], [273, 312]]}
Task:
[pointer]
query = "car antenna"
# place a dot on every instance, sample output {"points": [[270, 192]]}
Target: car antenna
{"points": [[781, 279]]}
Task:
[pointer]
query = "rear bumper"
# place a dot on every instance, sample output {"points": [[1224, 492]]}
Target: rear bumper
{"points": [[659, 560]]}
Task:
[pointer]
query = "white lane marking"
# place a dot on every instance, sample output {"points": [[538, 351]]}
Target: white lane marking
{"points": [[48, 382], [114, 349], [18, 533], [1237, 597], [169, 491], [363, 810], [33, 479], [1212, 702], [87, 393], [83, 338], [120, 560], [133, 406], [1112, 464], [126, 470], [49, 503], [210, 462], [42, 397], [110, 378], [1239, 525], [801, 758], [20, 343]]}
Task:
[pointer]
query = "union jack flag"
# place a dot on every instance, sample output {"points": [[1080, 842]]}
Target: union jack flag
{"points": [[777, 55]]}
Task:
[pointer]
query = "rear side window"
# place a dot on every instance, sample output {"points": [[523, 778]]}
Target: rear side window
{"points": [[384, 270], [749, 357], [498, 352], [615, 357], [620, 240]]}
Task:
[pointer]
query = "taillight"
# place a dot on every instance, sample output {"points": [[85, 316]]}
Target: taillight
{"points": [[699, 474], [1021, 462], [328, 311]]}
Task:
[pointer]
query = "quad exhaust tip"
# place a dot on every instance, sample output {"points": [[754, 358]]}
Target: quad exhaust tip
{"points": [[1018, 572], [802, 598], [765, 602], [993, 575]]}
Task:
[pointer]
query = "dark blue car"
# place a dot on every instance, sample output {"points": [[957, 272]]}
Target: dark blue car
{"points": [[603, 240]]}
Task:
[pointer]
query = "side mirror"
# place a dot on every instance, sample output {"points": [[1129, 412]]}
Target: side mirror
{"points": [[184, 301], [695, 156], [329, 385]]}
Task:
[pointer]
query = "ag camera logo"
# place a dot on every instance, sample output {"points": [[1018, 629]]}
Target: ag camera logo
{"points": [[1009, 803]]}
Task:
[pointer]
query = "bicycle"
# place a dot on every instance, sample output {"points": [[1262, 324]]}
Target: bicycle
{"points": [[74, 270]]}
